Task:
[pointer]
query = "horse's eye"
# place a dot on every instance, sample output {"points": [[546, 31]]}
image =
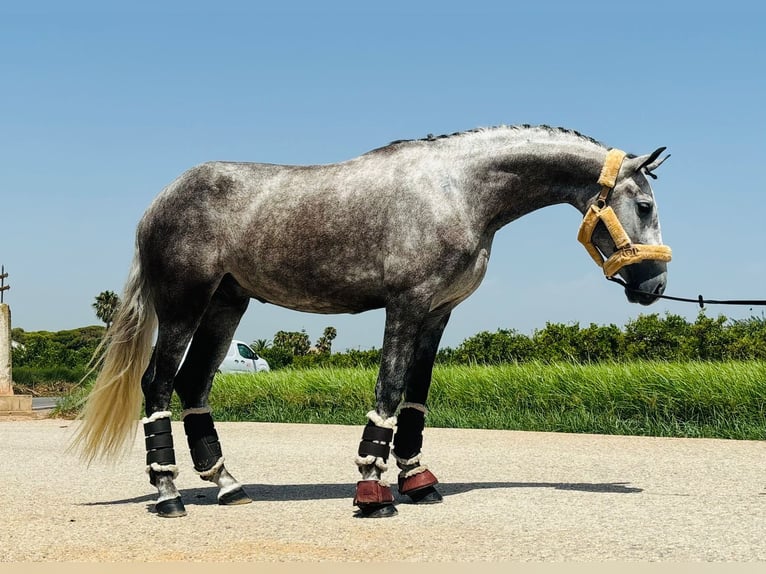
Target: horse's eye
{"points": [[644, 207]]}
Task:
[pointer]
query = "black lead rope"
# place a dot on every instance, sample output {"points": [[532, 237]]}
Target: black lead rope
{"points": [[699, 300]]}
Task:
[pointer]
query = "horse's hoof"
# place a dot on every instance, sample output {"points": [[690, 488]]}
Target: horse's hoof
{"points": [[427, 495], [377, 511], [238, 496], [171, 508]]}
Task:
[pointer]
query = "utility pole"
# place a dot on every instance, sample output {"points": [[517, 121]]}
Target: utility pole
{"points": [[3, 286], [6, 382], [9, 404]]}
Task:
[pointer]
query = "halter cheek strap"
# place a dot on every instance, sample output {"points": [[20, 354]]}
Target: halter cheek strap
{"points": [[626, 252]]}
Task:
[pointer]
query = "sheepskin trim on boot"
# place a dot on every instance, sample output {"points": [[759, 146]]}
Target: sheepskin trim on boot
{"points": [[411, 466], [416, 406], [195, 411], [378, 420], [369, 460], [611, 167], [412, 471], [157, 467], [156, 416], [210, 473], [407, 462]]}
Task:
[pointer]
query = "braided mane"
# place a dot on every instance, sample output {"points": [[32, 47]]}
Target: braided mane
{"points": [[434, 138]]}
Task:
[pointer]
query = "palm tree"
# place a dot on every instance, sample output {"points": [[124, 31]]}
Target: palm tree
{"points": [[106, 305], [324, 343], [260, 345]]}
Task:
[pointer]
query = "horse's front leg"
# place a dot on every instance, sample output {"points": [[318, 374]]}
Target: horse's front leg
{"points": [[415, 479], [405, 329]]}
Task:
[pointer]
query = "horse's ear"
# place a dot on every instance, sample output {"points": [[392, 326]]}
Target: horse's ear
{"points": [[648, 163]]}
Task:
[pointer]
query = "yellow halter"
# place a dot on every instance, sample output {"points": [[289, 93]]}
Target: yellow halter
{"points": [[627, 252]]}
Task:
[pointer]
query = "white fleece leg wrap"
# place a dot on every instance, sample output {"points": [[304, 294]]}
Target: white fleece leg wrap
{"points": [[156, 416], [157, 467], [210, 473], [388, 423], [410, 466], [372, 460]]}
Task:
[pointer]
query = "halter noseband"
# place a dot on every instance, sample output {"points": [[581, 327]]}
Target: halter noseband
{"points": [[626, 252]]}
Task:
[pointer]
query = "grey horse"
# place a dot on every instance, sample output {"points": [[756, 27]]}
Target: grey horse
{"points": [[407, 227]]}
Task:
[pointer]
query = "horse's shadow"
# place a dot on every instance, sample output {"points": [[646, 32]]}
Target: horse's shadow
{"points": [[304, 492]]}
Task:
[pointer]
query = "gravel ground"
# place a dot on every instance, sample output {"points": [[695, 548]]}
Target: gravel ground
{"points": [[508, 496]]}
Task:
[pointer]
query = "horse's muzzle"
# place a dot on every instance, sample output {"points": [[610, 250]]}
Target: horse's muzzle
{"points": [[642, 297], [645, 281]]}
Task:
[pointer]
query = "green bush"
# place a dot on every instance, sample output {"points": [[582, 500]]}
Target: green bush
{"points": [[44, 349], [646, 338], [650, 338], [485, 348], [277, 357], [352, 358]]}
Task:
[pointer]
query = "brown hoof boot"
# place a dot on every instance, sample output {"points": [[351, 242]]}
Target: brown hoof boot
{"points": [[420, 488], [416, 482], [372, 492], [374, 500]]}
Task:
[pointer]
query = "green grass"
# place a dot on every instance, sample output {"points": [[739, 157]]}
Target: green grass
{"points": [[689, 399], [723, 400]]}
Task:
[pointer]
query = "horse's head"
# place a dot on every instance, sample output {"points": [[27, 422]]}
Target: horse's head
{"points": [[624, 227]]}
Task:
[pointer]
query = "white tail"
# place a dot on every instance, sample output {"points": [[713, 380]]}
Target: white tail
{"points": [[113, 406]]}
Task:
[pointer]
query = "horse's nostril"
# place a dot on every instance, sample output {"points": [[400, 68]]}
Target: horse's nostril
{"points": [[659, 289]]}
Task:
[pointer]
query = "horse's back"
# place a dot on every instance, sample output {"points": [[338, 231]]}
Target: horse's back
{"points": [[325, 238]]}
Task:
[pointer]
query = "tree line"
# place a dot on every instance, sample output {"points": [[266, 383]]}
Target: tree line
{"points": [[648, 337]]}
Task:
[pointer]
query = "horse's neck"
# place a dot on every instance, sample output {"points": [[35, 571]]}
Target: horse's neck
{"points": [[526, 173]]}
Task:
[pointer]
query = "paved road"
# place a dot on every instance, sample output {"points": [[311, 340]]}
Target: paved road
{"points": [[509, 496], [44, 403]]}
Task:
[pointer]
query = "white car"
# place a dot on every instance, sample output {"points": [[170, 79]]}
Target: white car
{"points": [[240, 358]]}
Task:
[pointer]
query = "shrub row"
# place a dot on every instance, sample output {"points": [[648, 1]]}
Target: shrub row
{"points": [[649, 337], [646, 338]]}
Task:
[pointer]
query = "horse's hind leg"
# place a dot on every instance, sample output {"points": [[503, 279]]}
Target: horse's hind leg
{"points": [[178, 317], [195, 379], [157, 384]]}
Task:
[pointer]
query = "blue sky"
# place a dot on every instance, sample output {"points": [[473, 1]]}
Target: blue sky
{"points": [[102, 105]]}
